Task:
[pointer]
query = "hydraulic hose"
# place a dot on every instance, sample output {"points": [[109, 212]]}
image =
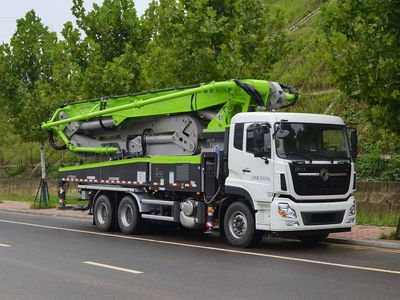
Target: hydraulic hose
{"points": [[249, 89], [53, 143], [292, 91]]}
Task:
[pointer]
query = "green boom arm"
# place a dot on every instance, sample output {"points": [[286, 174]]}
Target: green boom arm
{"points": [[227, 98]]}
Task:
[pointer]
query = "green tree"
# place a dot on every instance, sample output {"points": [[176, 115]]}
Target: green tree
{"points": [[365, 42], [365, 45], [109, 52], [26, 74], [204, 40], [112, 25]]}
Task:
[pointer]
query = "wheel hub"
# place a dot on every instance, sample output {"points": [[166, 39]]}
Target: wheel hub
{"points": [[127, 215], [238, 225], [102, 213]]}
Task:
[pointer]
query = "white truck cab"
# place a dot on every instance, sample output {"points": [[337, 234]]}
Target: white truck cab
{"points": [[296, 170]]}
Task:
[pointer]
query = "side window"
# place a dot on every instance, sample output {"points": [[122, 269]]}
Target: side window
{"points": [[238, 136], [250, 140], [267, 143]]}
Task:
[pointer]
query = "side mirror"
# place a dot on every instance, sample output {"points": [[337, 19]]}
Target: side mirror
{"points": [[353, 143], [282, 133]]}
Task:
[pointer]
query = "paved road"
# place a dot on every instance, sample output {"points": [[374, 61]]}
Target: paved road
{"points": [[59, 258]]}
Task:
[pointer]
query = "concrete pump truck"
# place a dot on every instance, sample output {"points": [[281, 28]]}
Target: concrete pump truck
{"points": [[213, 156]]}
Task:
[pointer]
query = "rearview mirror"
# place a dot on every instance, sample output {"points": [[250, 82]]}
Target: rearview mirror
{"points": [[353, 143], [282, 133]]}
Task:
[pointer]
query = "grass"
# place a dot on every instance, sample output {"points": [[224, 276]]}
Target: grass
{"points": [[389, 219], [49, 205], [294, 9], [389, 236], [53, 202]]}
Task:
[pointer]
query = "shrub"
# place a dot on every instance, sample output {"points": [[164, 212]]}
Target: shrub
{"points": [[374, 167]]}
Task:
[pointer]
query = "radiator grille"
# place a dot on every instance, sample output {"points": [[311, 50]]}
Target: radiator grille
{"points": [[321, 179]]}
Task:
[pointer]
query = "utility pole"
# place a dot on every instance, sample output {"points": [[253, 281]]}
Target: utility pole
{"points": [[43, 188]]}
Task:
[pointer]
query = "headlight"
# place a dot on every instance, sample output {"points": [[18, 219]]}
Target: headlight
{"points": [[352, 210], [285, 211]]}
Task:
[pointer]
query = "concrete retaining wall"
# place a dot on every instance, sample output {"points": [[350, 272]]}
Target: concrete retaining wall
{"points": [[375, 197], [378, 197]]}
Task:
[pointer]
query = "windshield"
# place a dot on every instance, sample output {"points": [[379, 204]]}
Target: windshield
{"points": [[313, 142]]}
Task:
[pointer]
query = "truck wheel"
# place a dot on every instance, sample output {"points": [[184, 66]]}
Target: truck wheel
{"points": [[239, 226], [103, 213], [129, 219]]}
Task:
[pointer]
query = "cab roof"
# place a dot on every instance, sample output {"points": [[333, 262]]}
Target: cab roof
{"points": [[273, 117]]}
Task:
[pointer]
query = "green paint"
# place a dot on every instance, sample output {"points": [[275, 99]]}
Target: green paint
{"points": [[76, 149], [196, 159]]}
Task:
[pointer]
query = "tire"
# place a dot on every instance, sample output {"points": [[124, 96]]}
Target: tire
{"points": [[239, 226], [103, 214], [313, 239], [129, 219]]}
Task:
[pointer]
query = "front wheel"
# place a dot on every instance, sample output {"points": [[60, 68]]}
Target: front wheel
{"points": [[239, 226]]}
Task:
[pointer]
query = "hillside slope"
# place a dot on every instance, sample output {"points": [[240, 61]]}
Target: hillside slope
{"points": [[304, 67]]}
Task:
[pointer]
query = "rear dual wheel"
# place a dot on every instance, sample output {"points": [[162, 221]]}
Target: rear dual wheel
{"points": [[104, 214], [129, 219], [108, 217]]}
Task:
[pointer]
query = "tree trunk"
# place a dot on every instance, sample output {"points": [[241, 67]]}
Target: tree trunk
{"points": [[42, 161], [397, 233], [44, 175]]}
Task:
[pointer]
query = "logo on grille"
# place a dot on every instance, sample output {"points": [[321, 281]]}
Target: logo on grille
{"points": [[324, 174]]}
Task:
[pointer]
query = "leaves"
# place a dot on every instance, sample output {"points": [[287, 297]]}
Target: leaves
{"points": [[365, 43], [201, 41], [27, 66], [112, 51]]}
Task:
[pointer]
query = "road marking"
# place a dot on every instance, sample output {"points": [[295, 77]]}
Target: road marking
{"points": [[4, 245], [288, 258], [111, 267]]}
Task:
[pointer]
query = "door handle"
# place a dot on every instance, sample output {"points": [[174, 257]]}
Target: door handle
{"points": [[246, 170]]}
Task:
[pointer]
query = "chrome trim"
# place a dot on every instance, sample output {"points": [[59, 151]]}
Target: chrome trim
{"points": [[307, 174], [317, 174]]}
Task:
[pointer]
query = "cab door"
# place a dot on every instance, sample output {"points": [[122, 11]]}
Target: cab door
{"points": [[257, 172]]}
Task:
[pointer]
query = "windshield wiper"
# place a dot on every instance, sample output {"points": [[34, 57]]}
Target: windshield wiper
{"points": [[343, 158]]}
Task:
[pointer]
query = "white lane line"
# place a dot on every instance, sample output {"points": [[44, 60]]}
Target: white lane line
{"points": [[111, 267], [4, 245], [288, 258]]}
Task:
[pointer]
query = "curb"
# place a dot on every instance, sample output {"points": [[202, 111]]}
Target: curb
{"points": [[367, 243], [45, 214]]}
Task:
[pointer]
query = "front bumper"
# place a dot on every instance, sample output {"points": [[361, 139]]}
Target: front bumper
{"points": [[301, 223]]}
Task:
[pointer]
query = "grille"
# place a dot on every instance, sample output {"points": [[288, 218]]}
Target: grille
{"points": [[317, 218], [307, 179]]}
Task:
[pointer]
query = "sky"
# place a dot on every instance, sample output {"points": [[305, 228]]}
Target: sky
{"points": [[54, 13]]}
